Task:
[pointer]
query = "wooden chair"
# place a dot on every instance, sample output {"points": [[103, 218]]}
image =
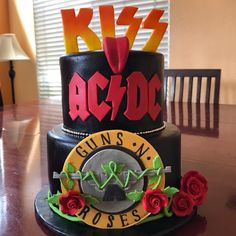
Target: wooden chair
{"points": [[190, 75], [195, 111]]}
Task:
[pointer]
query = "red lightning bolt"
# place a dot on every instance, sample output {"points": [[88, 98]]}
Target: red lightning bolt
{"points": [[115, 94], [126, 17], [159, 28]]}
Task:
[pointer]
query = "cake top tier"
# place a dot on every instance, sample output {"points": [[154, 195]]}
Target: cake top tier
{"points": [[112, 87], [96, 99], [78, 26]]}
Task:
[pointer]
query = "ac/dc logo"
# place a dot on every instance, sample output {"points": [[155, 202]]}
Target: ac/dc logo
{"points": [[85, 99]]}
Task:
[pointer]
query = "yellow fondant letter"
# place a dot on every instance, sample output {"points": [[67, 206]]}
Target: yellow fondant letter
{"points": [[107, 21], [159, 28], [126, 17], [75, 26]]}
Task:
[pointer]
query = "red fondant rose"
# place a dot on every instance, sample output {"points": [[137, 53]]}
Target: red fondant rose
{"points": [[195, 185], [154, 200], [71, 202], [182, 204]]}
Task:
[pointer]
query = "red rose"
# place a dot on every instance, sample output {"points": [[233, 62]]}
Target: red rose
{"points": [[154, 200], [71, 202], [195, 185], [182, 204]]}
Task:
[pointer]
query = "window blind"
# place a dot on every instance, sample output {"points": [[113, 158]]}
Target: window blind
{"points": [[50, 41]]}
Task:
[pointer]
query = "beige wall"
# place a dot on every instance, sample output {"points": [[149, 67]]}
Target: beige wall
{"points": [[16, 16], [203, 35]]}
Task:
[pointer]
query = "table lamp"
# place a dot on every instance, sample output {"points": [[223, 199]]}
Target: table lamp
{"points": [[10, 50]]}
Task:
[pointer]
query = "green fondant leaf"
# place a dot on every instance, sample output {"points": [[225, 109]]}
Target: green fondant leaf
{"points": [[152, 180], [170, 191], [157, 183], [167, 212], [106, 168], [120, 167], [70, 183], [54, 199], [91, 200], [70, 168], [135, 196], [152, 217], [63, 182], [156, 163]]}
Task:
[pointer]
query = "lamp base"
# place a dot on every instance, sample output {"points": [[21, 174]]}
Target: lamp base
{"points": [[12, 74]]}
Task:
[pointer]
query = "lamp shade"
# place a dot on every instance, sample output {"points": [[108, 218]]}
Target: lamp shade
{"points": [[10, 49]]}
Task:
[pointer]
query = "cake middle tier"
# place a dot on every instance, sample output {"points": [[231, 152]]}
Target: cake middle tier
{"points": [[95, 99]]}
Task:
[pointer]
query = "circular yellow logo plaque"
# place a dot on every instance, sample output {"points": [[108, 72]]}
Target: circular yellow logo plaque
{"points": [[113, 169]]}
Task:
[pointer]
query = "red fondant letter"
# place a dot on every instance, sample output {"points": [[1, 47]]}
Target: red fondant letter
{"points": [[115, 94], [98, 110], [78, 98], [137, 96], [153, 107]]}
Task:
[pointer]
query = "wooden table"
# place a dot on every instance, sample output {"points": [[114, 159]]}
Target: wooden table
{"points": [[23, 164]]}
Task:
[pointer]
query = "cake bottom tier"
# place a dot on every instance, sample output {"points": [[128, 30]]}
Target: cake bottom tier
{"points": [[167, 143], [50, 221]]}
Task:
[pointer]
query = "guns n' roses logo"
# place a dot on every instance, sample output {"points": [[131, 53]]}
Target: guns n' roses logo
{"points": [[105, 177]]}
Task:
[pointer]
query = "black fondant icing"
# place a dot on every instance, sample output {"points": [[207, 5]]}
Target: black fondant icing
{"points": [[49, 221], [86, 64], [166, 142]]}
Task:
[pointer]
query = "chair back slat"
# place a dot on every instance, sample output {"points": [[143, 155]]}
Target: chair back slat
{"points": [[181, 90], [217, 87], [191, 75], [190, 89], [173, 88], [165, 89], [208, 89], [199, 88]]}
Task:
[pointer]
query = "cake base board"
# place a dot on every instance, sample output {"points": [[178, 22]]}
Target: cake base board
{"points": [[50, 221]]}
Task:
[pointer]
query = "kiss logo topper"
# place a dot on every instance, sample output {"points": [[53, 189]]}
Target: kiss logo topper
{"points": [[78, 26]]}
